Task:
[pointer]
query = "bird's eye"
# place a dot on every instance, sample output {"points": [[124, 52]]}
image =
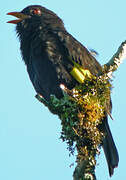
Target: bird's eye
{"points": [[36, 11]]}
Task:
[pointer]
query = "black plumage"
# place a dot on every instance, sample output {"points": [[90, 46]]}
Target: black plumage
{"points": [[49, 53]]}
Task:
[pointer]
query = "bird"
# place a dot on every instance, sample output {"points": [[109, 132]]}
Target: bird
{"points": [[53, 57]]}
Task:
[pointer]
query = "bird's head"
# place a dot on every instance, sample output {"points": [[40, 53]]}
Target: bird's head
{"points": [[36, 16]]}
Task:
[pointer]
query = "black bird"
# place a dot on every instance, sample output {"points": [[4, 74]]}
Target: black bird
{"points": [[54, 57]]}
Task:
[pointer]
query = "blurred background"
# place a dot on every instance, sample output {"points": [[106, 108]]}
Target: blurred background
{"points": [[30, 148]]}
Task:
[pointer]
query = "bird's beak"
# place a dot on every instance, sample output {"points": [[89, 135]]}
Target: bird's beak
{"points": [[19, 15]]}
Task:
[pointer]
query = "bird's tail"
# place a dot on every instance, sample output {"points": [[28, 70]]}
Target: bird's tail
{"points": [[110, 150]]}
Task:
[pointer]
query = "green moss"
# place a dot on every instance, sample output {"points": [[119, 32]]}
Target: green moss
{"points": [[81, 112]]}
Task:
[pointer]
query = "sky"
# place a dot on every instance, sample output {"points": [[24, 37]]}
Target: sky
{"points": [[30, 147]]}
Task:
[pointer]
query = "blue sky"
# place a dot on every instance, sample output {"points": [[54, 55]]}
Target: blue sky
{"points": [[30, 147]]}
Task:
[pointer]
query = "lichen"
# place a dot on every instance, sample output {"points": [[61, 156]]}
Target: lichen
{"points": [[81, 112]]}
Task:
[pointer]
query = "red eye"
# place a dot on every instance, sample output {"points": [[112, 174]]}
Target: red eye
{"points": [[36, 11]]}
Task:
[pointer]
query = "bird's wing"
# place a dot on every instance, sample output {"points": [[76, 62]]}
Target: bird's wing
{"points": [[79, 55]]}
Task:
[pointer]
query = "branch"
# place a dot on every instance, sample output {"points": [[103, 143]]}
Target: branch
{"points": [[81, 111], [85, 170], [116, 60]]}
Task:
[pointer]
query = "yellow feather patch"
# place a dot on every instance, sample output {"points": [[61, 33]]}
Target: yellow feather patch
{"points": [[79, 73]]}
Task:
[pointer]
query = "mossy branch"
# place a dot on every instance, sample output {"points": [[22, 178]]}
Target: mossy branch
{"points": [[116, 60], [81, 111]]}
